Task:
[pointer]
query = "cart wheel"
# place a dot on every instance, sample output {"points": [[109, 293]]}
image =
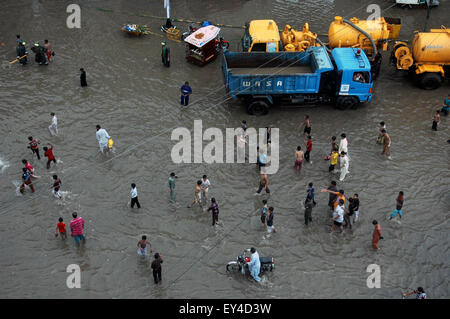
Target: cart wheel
{"points": [[258, 107]]}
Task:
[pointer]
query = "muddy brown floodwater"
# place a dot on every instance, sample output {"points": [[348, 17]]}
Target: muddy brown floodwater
{"points": [[136, 99]]}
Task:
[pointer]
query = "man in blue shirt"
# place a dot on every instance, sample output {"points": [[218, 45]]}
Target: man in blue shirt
{"points": [[186, 90]]}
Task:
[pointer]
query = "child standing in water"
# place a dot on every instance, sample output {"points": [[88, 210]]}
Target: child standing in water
{"points": [[61, 227]]}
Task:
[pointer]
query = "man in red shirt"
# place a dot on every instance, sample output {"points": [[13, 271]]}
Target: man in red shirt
{"points": [[34, 146], [48, 152], [308, 149]]}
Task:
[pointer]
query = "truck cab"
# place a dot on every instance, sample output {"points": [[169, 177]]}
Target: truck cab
{"points": [[261, 36], [354, 77]]}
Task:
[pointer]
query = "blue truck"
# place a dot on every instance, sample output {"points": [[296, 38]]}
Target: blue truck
{"points": [[263, 79]]}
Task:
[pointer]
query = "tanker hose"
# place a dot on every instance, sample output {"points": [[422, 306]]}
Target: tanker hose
{"points": [[366, 34], [321, 43]]}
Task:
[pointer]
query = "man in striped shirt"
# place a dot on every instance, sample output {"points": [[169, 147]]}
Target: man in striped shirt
{"points": [[76, 227]]}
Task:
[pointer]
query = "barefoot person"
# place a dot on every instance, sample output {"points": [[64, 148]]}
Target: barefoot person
{"points": [[299, 155], [197, 195]]}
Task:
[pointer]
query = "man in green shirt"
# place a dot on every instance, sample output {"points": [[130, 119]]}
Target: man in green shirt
{"points": [[165, 54]]}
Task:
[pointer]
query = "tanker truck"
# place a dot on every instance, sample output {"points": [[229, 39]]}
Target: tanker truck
{"points": [[368, 35], [428, 59]]}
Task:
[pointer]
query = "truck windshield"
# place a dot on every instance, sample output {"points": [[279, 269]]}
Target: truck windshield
{"points": [[361, 77], [259, 47]]}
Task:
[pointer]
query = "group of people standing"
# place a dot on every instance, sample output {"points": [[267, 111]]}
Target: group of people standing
{"points": [[43, 54]]}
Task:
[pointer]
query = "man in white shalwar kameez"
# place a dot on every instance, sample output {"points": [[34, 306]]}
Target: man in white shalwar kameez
{"points": [[254, 266], [53, 128], [343, 144], [344, 163], [102, 138]]}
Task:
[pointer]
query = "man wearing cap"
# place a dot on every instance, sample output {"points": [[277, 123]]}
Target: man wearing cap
{"points": [[40, 56], [165, 54], [21, 52]]}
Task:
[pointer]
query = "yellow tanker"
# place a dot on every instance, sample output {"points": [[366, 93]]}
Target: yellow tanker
{"points": [[344, 34], [429, 60]]}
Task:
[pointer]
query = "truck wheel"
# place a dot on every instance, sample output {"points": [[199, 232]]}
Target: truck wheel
{"points": [[258, 107], [430, 81], [347, 102]]}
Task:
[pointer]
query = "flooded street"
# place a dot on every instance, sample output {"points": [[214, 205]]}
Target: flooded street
{"points": [[136, 99]]}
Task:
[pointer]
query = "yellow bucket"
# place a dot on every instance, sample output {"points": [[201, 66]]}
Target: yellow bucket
{"points": [[110, 143]]}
